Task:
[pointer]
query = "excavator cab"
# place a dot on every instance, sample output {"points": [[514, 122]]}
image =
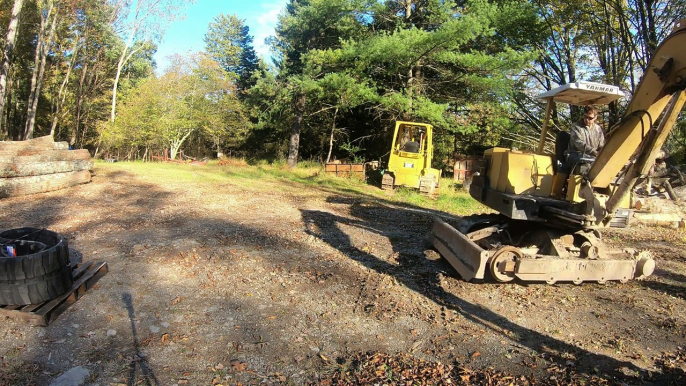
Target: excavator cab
{"points": [[567, 163], [409, 163]]}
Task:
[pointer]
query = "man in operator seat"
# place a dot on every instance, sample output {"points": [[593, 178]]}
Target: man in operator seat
{"points": [[586, 139]]}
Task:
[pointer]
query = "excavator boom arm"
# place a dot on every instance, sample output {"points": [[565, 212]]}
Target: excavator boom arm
{"points": [[664, 77]]}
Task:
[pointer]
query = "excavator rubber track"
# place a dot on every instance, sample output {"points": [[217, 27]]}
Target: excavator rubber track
{"points": [[494, 246]]}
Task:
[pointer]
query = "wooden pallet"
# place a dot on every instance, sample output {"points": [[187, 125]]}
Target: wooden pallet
{"points": [[84, 275], [344, 170]]}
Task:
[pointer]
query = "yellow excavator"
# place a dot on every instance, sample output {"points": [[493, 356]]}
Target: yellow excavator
{"points": [[550, 213], [409, 163]]}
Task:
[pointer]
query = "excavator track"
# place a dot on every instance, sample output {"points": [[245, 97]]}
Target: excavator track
{"points": [[503, 249]]}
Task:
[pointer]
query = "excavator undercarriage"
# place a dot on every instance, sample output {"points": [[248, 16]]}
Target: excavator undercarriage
{"points": [[531, 251]]}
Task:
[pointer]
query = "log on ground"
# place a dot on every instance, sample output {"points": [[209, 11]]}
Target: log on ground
{"points": [[45, 162], [20, 186], [31, 146]]}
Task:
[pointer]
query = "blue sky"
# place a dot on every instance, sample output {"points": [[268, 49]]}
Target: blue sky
{"points": [[183, 37]]}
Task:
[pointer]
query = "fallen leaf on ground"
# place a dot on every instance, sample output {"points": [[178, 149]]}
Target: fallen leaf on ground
{"points": [[237, 365]]}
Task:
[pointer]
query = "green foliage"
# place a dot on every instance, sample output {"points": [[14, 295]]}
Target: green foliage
{"points": [[352, 151], [196, 97], [676, 144], [431, 75], [228, 41], [345, 71]]}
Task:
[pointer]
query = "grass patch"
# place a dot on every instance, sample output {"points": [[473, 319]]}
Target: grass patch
{"points": [[451, 198]]}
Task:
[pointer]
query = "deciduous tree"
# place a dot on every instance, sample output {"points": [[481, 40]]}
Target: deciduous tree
{"points": [[49, 11], [142, 20], [7, 56], [195, 97]]}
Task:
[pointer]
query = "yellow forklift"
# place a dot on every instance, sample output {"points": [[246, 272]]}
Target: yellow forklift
{"points": [[409, 163]]}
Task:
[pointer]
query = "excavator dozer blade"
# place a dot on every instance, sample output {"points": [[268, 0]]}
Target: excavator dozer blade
{"points": [[468, 259]]}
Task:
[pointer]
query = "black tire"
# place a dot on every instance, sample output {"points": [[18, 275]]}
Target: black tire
{"points": [[36, 290], [31, 278]]}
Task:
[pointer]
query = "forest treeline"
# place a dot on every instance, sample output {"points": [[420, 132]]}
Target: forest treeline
{"points": [[341, 73]]}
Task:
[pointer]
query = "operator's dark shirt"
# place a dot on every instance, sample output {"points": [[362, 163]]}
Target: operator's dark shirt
{"points": [[586, 139], [411, 147]]}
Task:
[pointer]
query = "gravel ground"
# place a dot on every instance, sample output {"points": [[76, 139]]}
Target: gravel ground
{"points": [[283, 283]]}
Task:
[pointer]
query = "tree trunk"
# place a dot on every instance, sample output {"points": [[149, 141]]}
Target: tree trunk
{"points": [[19, 186], [410, 92], [13, 148], [9, 107], [125, 56], [7, 59], [45, 162], [175, 145], [120, 65], [42, 46], [408, 9], [299, 111], [333, 130], [79, 145], [61, 94], [79, 104]]}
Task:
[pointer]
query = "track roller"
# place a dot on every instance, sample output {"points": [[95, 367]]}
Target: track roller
{"points": [[502, 264]]}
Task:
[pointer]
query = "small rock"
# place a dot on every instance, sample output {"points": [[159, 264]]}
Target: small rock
{"points": [[138, 248], [75, 377], [165, 324], [154, 329], [111, 332], [184, 244]]}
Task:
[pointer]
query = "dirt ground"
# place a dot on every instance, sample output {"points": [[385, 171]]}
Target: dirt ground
{"points": [[222, 283]]}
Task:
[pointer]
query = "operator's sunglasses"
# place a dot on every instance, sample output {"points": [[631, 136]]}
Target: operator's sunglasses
{"points": [[586, 117]]}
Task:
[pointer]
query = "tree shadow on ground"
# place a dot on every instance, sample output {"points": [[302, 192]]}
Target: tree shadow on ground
{"points": [[327, 227], [133, 219], [143, 214], [667, 282]]}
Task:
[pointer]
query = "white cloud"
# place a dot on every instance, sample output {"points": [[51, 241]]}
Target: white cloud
{"points": [[263, 26]]}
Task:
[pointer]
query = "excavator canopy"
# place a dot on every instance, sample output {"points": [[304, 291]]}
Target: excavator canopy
{"points": [[578, 93], [583, 93]]}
